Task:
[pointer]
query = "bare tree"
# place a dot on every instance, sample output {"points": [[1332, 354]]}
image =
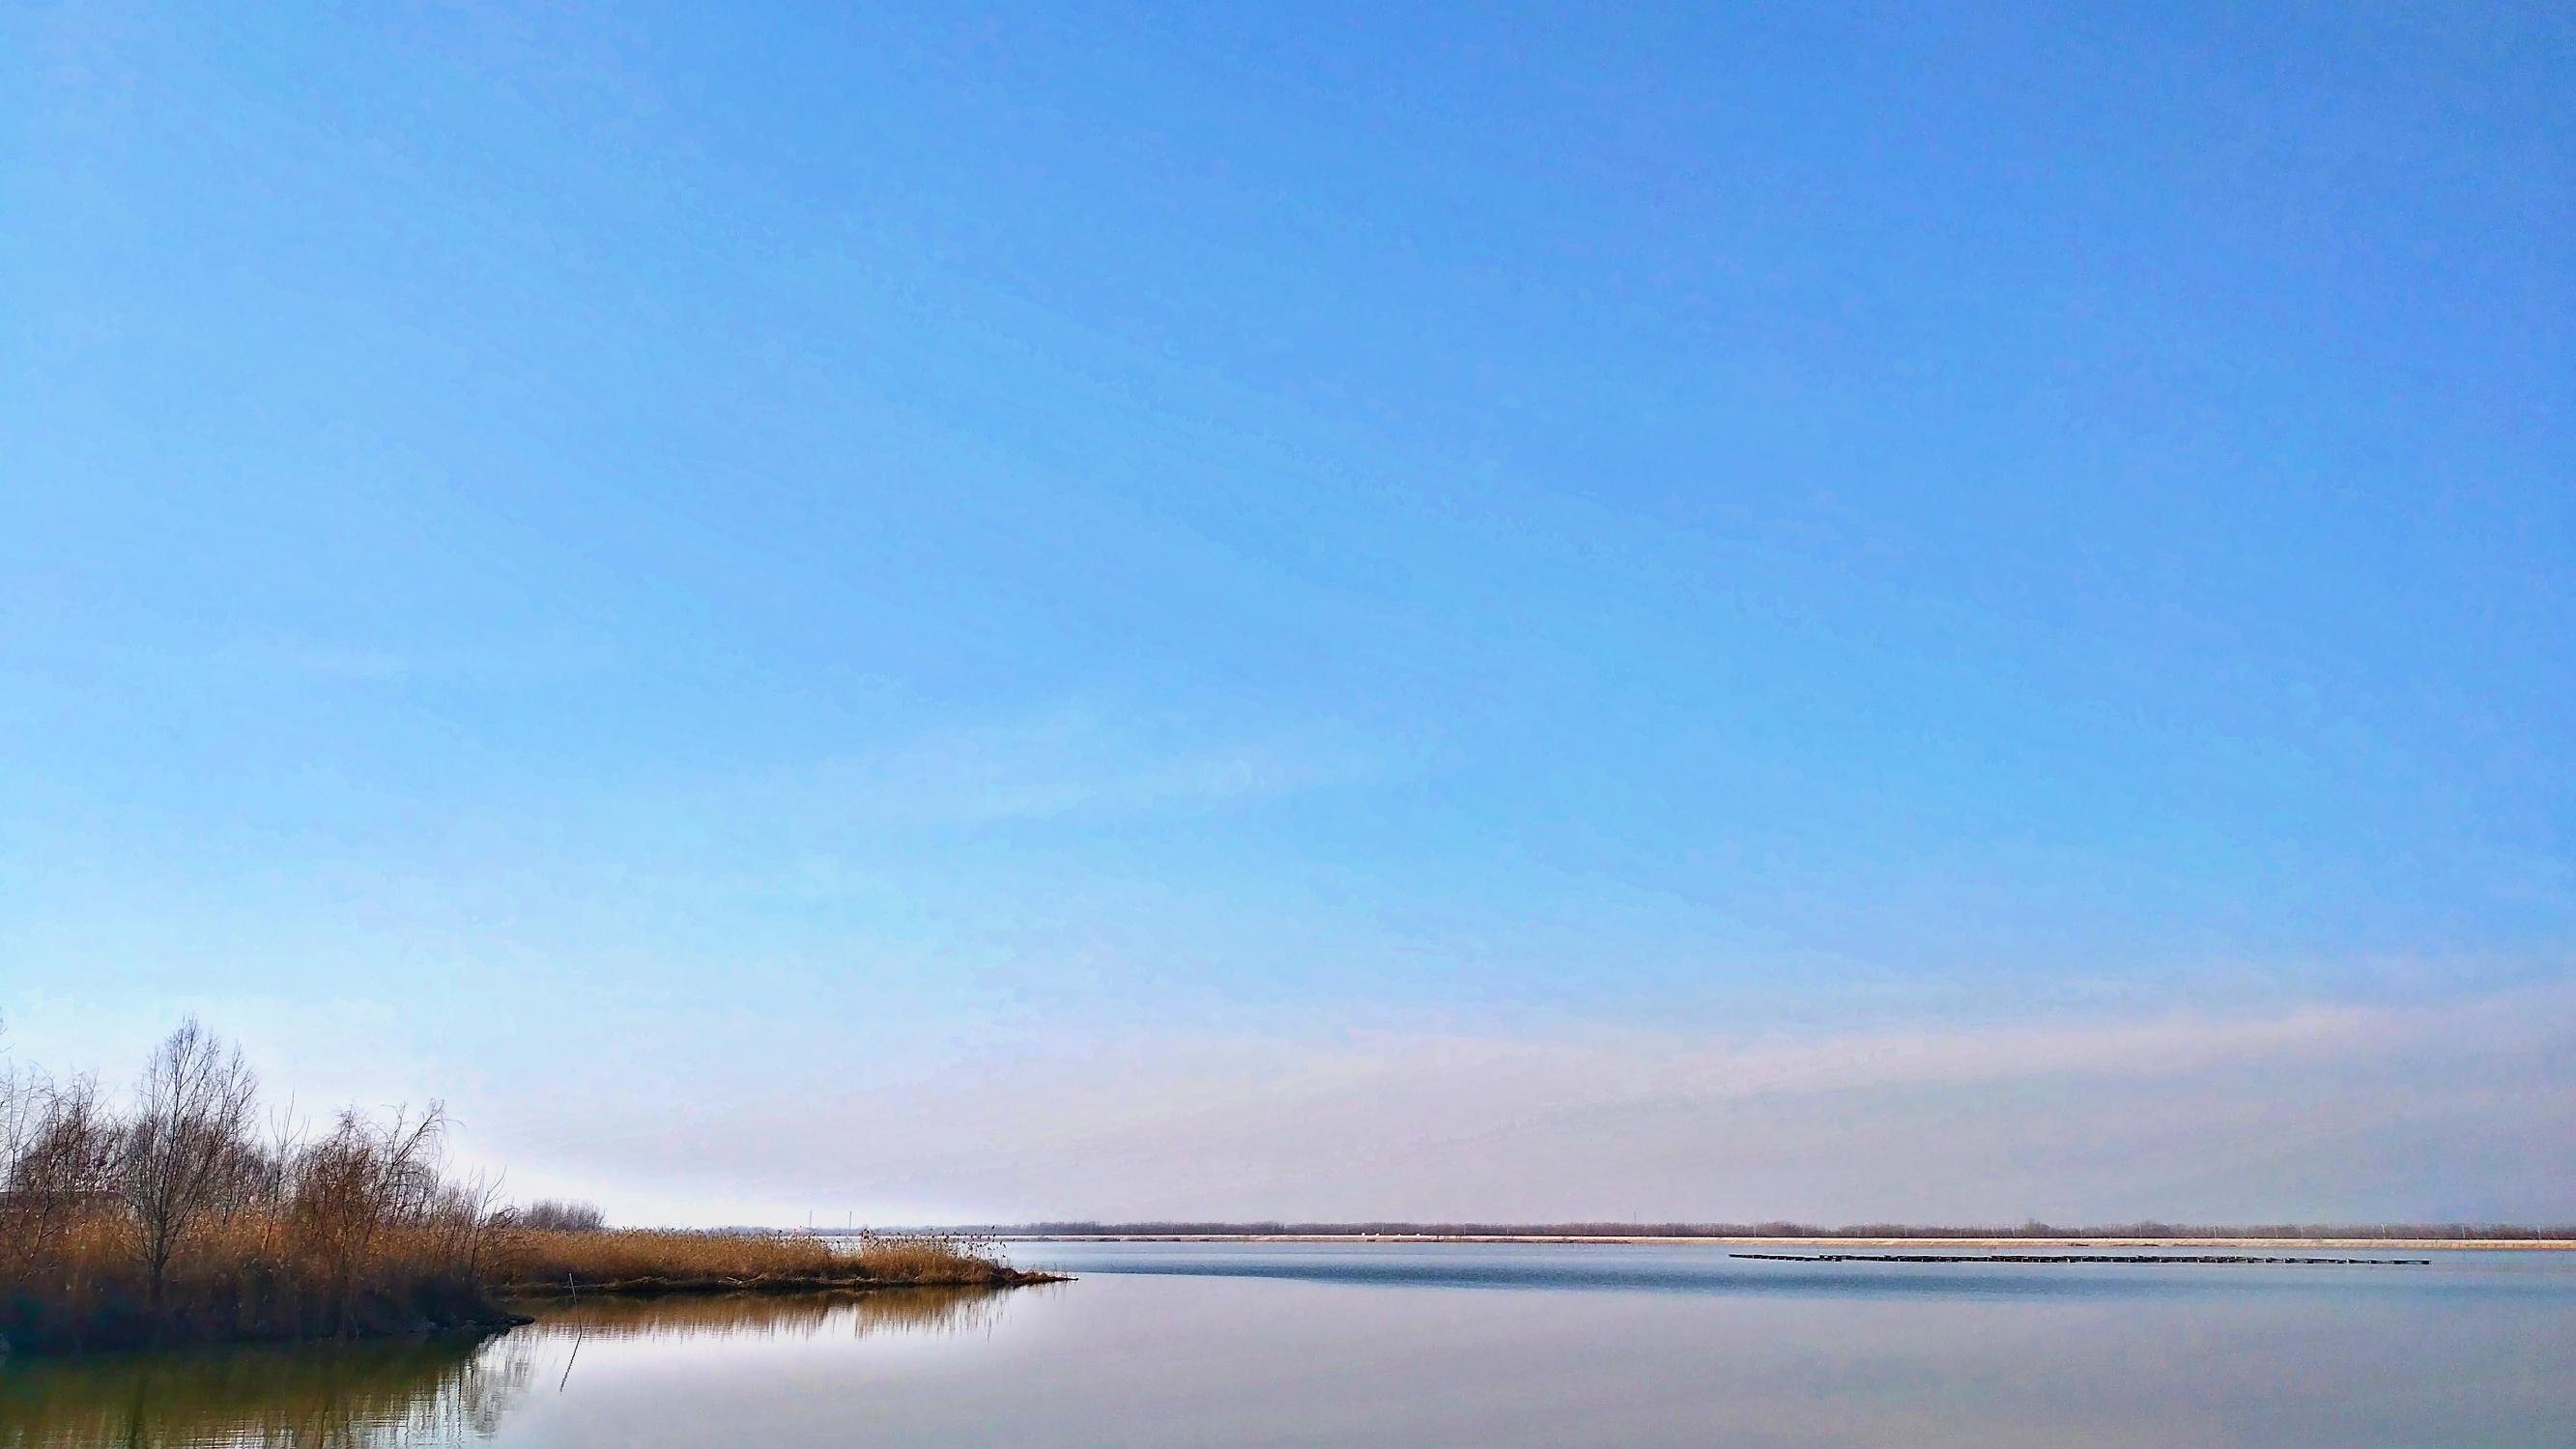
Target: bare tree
{"points": [[362, 1180], [17, 1114], [62, 1163], [180, 1211], [181, 1157], [464, 1219]]}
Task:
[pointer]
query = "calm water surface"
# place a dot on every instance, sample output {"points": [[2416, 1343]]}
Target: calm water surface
{"points": [[1430, 1346]]}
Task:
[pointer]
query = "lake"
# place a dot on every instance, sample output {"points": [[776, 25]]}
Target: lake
{"points": [[1429, 1346]]}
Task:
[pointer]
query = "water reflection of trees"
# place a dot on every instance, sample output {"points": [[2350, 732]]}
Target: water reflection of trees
{"points": [[407, 1395], [340, 1396]]}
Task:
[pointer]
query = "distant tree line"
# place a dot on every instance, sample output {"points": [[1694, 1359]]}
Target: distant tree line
{"points": [[552, 1215]]}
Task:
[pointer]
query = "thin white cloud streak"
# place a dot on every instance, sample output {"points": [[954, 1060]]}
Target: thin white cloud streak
{"points": [[2315, 1111], [325, 661], [2432, 1110], [1077, 762], [525, 660]]}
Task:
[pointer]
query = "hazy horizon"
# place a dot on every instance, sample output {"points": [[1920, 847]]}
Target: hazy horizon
{"points": [[1404, 615]]}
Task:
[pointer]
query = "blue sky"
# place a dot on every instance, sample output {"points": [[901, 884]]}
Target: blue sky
{"points": [[1127, 580]]}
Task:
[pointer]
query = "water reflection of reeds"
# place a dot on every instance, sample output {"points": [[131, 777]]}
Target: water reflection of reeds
{"points": [[803, 1315], [408, 1395]]}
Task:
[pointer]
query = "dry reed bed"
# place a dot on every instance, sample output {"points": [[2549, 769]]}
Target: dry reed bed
{"points": [[253, 1277], [257, 1277], [173, 1218], [643, 1261]]}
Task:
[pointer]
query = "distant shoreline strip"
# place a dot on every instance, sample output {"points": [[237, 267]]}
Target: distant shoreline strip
{"points": [[2197, 1244], [2077, 1258]]}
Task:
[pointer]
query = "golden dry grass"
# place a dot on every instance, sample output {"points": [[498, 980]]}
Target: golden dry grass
{"points": [[645, 1261], [173, 1221], [249, 1276], [253, 1276]]}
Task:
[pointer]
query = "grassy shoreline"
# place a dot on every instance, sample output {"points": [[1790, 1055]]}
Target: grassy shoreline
{"points": [[660, 1287], [175, 1217], [647, 1262], [91, 1303]]}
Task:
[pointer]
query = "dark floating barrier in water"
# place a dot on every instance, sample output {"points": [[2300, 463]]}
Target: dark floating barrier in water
{"points": [[2074, 1258]]}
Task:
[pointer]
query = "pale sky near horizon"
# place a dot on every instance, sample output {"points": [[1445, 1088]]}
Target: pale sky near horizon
{"points": [[1312, 612]]}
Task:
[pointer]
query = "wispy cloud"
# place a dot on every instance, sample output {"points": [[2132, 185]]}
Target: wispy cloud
{"points": [[1082, 762], [2324, 1110], [362, 661], [314, 659]]}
